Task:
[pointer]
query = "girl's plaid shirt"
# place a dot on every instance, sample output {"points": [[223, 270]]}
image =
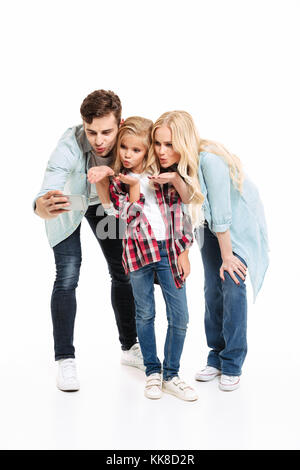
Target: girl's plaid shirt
{"points": [[139, 244]]}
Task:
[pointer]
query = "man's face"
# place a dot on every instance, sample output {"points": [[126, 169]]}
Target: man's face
{"points": [[102, 134]]}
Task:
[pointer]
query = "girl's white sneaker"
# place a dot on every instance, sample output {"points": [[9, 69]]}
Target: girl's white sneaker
{"points": [[228, 383], [207, 374], [179, 389], [153, 386]]}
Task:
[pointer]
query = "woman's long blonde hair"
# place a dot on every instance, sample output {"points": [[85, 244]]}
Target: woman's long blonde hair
{"points": [[186, 142], [139, 127], [233, 162]]}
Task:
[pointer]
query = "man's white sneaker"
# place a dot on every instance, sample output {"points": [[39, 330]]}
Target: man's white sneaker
{"points": [[228, 383], [67, 380], [207, 374], [179, 389], [153, 386], [133, 357]]}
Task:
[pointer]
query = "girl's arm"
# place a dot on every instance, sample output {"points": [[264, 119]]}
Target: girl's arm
{"points": [[175, 179], [134, 186], [232, 264], [184, 264]]}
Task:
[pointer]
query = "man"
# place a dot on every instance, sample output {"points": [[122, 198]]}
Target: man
{"points": [[80, 148]]}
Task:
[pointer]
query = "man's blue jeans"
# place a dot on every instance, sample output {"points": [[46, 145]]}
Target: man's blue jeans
{"points": [[225, 309], [63, 301], [177, 315]]}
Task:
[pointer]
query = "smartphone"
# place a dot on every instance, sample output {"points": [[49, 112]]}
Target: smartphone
{"points": [[78, 202]]}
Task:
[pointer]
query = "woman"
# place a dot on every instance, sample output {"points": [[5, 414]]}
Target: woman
{"points": [[233, 238]]}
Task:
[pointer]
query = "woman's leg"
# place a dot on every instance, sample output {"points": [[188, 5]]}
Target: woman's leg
{"points": [[234, 324], [143, 292], [177, 315], [225, 310], [213, 293]]}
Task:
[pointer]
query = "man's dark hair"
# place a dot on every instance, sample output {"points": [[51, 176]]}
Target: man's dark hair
{"points": [[100, 103]]}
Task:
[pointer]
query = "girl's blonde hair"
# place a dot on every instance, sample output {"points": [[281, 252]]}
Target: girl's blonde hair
{"points": [[136, 126], [186, 142]]}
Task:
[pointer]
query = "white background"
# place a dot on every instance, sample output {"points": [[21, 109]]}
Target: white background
{"points": [[234, 65]]}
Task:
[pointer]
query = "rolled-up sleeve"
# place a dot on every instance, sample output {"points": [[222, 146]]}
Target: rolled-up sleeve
{"points": [[60, 164], [123, 208], [217, 180]]}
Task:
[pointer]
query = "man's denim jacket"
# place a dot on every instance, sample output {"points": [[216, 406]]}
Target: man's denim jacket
{"points": [[66, 171]]}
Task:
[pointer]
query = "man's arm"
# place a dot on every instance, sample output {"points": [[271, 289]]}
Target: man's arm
{"points": [[49, 202]]}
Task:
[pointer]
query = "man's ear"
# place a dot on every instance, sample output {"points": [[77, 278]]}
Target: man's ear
{"points": [[121, 122]]}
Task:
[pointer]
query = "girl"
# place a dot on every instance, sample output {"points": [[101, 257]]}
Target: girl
{"points": [[157, 240], [233, 238]]}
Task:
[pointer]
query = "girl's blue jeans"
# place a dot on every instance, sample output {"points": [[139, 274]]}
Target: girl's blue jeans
{"points": [[177, 315]]}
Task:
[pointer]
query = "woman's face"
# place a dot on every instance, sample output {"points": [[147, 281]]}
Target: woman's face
{"points": [[163, 147], [132, 153]]}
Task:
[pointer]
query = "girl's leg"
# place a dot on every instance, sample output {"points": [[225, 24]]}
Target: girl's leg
{"points": [[213, 293], [143, 292], [177, 315]]}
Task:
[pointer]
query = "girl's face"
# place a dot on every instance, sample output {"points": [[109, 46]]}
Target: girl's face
{"points": [[163, 147], [132, 153]]}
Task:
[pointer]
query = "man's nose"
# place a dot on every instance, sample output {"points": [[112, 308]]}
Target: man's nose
{"points": [[99, 139]]}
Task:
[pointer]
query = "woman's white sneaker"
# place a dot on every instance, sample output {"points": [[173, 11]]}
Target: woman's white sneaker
{"points": [[133, 357], [179, 389], [153, 386], [228, 383], [207, 374], [67, 380]]}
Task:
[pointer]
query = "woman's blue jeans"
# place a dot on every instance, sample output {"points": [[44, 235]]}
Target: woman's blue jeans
{"points": [[225, 309], [177, 315]]}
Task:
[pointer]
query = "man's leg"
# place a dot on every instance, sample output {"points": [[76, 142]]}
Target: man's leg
{"points": [[121, 291], [63, 301]]}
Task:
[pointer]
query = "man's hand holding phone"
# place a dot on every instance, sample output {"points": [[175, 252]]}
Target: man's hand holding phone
{"points": [[51, 204]]}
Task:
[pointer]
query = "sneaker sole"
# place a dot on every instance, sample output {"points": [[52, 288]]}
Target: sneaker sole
{"points": [[138, 366], [181, 398], [68, 389], [229, 388], [152, 398], [206, 378]]}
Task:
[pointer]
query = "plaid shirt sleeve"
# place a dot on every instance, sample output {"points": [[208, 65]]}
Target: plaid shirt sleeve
{"points": [[119, 195], [185, 237], [183, 228]]}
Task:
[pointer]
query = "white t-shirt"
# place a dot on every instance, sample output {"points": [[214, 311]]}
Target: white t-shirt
{"points": [[151, 207]]}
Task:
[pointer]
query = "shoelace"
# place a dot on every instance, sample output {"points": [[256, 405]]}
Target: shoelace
{"points": [[230, 379], [69, 369], [137, 352]]}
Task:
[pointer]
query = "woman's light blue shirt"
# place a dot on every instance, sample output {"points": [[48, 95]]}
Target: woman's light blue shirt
{"points": [[226, 208]]}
